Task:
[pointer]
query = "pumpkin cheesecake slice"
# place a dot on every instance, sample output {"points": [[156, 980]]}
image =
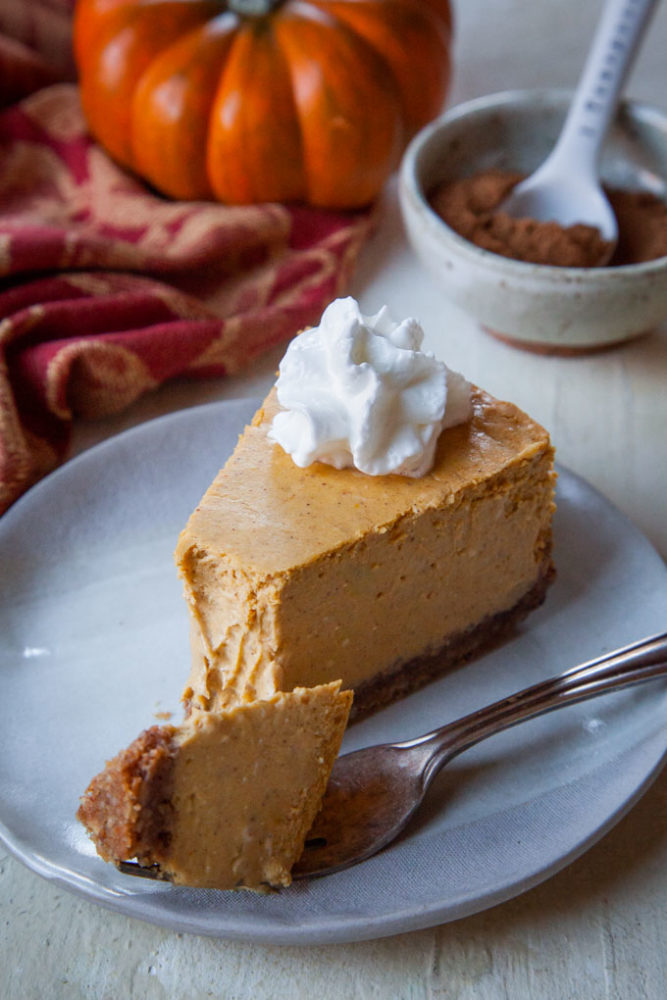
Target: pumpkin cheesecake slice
{"points": [[225, 799], [380, 521], [296, 574]]}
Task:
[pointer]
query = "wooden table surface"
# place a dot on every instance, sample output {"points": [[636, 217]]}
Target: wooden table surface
{"points": [[599, 928]]}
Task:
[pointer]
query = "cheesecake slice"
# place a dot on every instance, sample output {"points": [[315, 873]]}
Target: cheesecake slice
{"points": [[296, 576], [224, 800], [380, 521]]}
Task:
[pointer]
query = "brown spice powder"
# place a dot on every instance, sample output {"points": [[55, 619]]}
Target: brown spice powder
{"points": [[469, 206]]}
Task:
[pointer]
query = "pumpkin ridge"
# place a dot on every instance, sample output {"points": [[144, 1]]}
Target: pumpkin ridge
{"points": [[254, 150], [353, 110], [167, 144], [127, 38], [404, 25]]}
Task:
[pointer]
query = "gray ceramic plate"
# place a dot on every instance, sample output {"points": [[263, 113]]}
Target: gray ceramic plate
{"points": [[93, 643]]}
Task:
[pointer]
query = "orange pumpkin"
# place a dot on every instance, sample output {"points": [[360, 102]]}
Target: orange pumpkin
{"points": [[262, 100]]}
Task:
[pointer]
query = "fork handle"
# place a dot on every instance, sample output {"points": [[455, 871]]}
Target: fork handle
{"points": [[634, 664]]}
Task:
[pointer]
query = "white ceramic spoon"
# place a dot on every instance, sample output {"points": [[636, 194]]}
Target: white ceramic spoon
{"points": [[566, 187]]}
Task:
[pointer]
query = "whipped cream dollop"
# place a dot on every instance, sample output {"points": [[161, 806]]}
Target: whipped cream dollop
{"points": [[359, 391]]}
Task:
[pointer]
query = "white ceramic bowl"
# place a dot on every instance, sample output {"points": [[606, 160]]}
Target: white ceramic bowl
{"points": [[553, 309]]}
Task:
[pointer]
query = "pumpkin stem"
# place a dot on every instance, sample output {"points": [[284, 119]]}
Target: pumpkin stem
{"points": [[253, 8]]}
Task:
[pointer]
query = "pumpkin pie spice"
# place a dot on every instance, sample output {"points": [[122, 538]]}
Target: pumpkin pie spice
{"points": [[470, 207]]}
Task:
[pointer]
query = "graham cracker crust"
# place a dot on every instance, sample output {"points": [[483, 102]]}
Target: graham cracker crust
{"points": [[405, 678], [126, 807]]}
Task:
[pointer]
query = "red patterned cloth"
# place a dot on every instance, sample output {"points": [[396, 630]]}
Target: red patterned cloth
{"points": [[107, 290]]}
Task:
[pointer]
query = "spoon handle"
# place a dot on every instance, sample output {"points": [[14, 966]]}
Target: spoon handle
{"points": [[614, 46], [632, 664]]}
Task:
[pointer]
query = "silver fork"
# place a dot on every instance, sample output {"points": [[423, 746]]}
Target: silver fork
{"points": [[373, 793]]}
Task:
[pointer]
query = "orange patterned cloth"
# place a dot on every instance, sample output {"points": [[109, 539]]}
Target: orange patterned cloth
{"points": [[106, 289]]}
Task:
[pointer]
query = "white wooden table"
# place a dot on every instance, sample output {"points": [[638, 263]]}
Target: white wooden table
{"points": [[599, 928]]}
